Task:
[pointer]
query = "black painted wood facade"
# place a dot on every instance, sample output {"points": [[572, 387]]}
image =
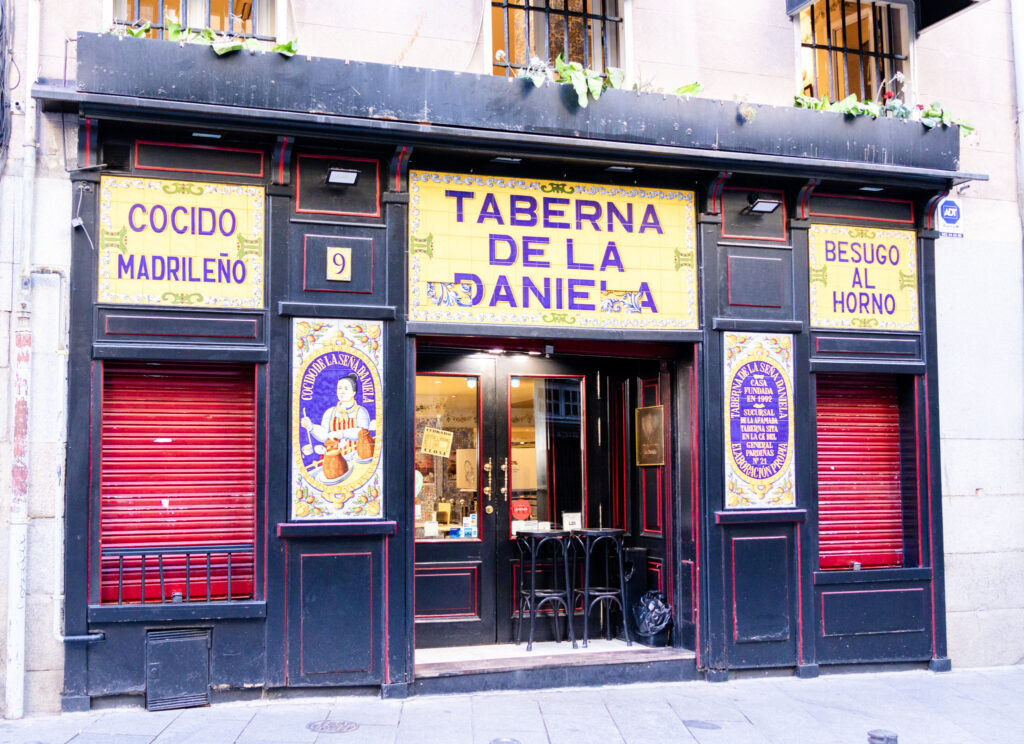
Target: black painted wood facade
{"points": [[334, 602]]}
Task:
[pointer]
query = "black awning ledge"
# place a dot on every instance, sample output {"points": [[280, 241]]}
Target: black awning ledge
{"points": [[135, 78]]}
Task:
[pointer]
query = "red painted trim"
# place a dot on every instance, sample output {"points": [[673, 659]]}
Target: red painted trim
{"points": [[266, 474], [387, 613], [860, 591], [298, 186], [785, 223], [695, 469], [715, 192], [931, 497], [88, 142], [139, 166], [479, 457], [665, 386], [867, 219], [287, 664], [804, 197], [452, 571], [305, 263], [799, 600], [402, 157], [917, 473], [655, 566], [657, 529], [302, 619], [280, 165], [92, 411]]}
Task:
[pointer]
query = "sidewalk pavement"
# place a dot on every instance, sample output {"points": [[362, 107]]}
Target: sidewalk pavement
{"points": [[968, 706]]}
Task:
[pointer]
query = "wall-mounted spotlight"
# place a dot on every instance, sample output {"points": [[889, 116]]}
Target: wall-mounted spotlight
{"points": [[341, 177], [758, 204]]}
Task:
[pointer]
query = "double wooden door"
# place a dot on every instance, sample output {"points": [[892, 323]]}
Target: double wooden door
{"points": [[508, 440]]}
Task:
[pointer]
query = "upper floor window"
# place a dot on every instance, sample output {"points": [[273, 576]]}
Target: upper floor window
{"points": [[248, 18], [584, 31], [853, 46]]}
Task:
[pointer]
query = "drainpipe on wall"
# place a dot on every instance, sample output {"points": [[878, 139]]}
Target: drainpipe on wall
{"points": [[17, 577], [1017, 27]]}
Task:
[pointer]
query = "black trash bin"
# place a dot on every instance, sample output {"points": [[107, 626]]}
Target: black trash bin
{"points": [[634, 562]]}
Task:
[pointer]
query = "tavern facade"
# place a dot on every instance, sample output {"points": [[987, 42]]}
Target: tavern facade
{"points": [[325, 363]]}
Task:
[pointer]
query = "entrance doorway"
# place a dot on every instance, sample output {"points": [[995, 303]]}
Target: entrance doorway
{"points": [[503, 439]]}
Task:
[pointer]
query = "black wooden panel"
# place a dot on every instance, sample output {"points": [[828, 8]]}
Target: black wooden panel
{"points": [[337, 623], [316, 265], [906, 347], [199, 159], [867, 612], [756, 281], [177, 668], [738, 221], [652, 477], [862, 209], [124, 325], [307, 264], [315, 198], [760, 589], [448, 589]]}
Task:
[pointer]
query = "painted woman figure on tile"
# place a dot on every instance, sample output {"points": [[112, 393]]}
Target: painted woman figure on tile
{"points": [[345, 436], [344, 421]]}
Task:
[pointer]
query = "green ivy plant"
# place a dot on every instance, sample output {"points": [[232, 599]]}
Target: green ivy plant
{"points": [[890, 107], [585, 82], [220, 43]]}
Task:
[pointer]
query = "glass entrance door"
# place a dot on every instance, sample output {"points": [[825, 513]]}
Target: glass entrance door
{"points": [[499, 444]]}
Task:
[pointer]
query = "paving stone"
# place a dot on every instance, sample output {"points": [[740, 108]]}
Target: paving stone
{"points": [[365, 734], [369, 711], [84, 738], [203, 730], [134, 721]]}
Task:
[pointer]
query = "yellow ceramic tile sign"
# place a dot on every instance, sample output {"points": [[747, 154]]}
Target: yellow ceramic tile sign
{"points": [[863, 277], [180, 243], [516, 251]]}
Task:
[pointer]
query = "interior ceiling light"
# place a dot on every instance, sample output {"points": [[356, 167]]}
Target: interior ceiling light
{"points": [[342, 177], [761, 205], [507, 160], [871, 188], [620, 169]]}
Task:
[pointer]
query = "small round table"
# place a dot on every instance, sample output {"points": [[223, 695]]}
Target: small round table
{"points": [[531, 597]]}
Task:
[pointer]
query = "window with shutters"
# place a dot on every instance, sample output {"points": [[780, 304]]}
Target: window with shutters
{"points": [[245, 18], [177, 483], [854, 47], [584, 31], [867, 515]]}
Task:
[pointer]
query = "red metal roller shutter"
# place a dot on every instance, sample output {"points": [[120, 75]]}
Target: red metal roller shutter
{"points": [[177, 482], [860, 515]]}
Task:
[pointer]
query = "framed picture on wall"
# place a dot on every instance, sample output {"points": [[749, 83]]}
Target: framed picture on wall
{"points": [[649, 425]]}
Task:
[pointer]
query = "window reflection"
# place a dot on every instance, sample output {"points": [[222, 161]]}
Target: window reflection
{"points": [[446, 489], [546, 448]]}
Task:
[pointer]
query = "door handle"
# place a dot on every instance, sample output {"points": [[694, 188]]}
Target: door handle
{"points": [[507, 486], [490, 479]]}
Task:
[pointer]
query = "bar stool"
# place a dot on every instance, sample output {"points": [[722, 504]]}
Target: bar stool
{"points": [[531, 597], [607, 540]]}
